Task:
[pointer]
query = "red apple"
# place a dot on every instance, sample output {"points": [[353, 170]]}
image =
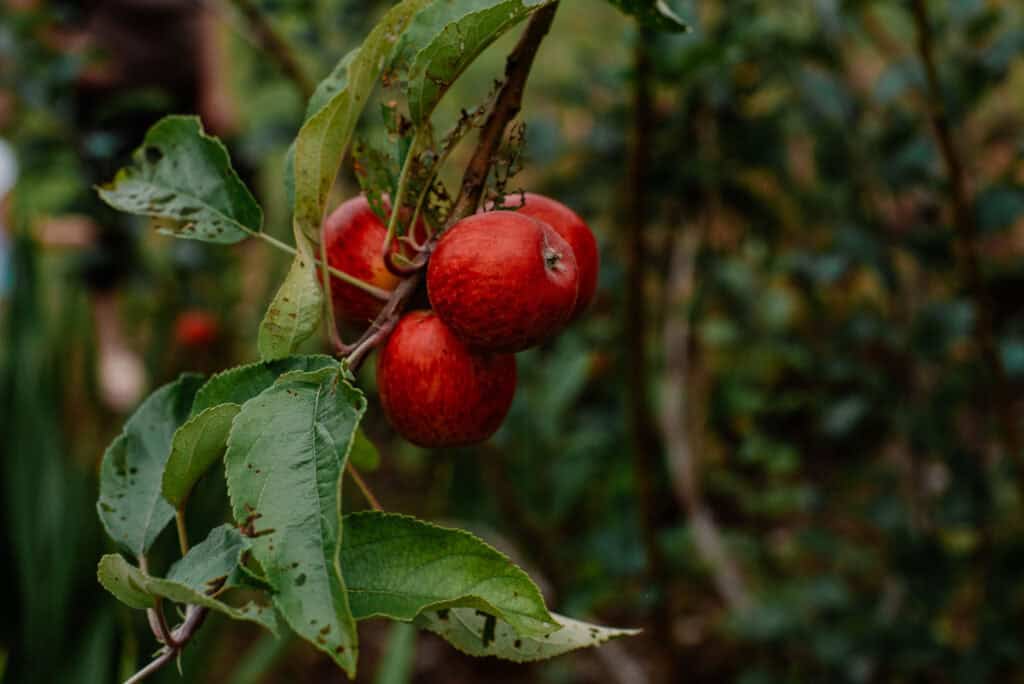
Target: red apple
{"points": [[354, 237], [575, 231], [194, 328], [438, 392], [502, 281]]}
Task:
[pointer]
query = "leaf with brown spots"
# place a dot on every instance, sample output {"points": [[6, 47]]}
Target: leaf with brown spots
{"points": [[286, 454]]}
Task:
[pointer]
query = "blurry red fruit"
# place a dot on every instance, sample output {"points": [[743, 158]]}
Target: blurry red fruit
{"points": [[194, 328]]}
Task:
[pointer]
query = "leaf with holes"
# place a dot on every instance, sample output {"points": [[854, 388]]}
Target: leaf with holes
{"points": [[446, 37], [133, 587], [398, 567], [286, 455], [182, 174], [338, 102], [477, 633], [293, 314], [130, 505]]}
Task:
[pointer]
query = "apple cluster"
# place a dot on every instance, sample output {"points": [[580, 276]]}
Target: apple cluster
{"points": [[498, 282]]}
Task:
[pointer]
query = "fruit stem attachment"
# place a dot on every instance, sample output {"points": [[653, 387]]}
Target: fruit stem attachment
{"points": [[506, 106], [364, 488], [340, 275], [399, 198]]}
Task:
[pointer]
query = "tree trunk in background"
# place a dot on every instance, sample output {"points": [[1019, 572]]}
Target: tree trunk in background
{"points": [[644, 442]]}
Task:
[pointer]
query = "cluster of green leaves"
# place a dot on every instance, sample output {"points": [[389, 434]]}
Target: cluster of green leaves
{"points": [[287, 426], [285, 430]]}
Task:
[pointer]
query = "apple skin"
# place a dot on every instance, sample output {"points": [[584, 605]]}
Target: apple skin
{"points": [[503, 281], [354, 238], [436, 391], [575, 231]]}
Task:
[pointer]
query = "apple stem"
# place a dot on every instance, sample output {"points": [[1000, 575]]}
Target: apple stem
{"points": [[403, 184]]}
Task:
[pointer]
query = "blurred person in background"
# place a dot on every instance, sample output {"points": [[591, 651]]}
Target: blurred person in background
{"points": [[141, 60]]}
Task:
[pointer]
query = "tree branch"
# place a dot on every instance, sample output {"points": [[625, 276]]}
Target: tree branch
{"points": [[506, 106], [194, 619], [967, 235], [644, 441], [276, 47], [682, 461]]}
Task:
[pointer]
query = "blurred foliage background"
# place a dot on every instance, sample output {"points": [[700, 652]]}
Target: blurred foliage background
{"points": [[785, 439]]}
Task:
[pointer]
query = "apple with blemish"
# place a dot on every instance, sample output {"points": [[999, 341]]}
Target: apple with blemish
{"points": [[574, 230], [438, 392], [503, 281]]}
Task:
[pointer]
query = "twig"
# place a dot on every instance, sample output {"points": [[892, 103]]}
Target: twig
{"points": [[166, 656], [155, 616], [194, 619], [276, 47], [364, 488], [683, 470], [506, 106], [967, 234]]}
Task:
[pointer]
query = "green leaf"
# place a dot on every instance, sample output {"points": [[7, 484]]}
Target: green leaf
{"points": [[446, 37], [211, 563], [135, 588], [286, 455], [180, 173], [130, 505], [126, 586], [478, 634], [338, 102], [240, 384], [364, 454], [294, 313], [196, 446], [200, 442], [398, 567], [655, 14]]}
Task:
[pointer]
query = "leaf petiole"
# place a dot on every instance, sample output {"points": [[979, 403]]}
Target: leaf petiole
{"points": [[341, 275]]}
